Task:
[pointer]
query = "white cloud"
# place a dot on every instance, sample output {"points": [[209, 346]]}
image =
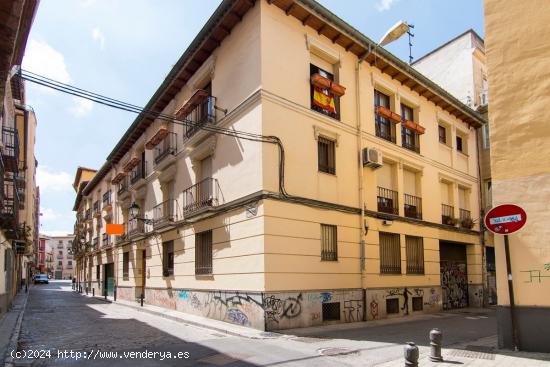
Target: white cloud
{"points": [[98, 36], [41, 58], [53, 181], [49, 214], [383, 5], [87, 3], [82, 107]]}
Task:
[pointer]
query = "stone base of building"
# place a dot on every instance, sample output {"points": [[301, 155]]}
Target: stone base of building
{"points": [[259, 310], [397, 302], [5, 303], [475, 295], [533, 324]]}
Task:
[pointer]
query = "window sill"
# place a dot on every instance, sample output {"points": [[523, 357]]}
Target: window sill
{"points": [[462, 153], [445, 145], [337, 118], [327, 174]]}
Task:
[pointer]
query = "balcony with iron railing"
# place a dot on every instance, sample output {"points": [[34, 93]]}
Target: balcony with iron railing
{"points": [[96, 209], [10, 152], [95, 243], [138, 173], [135, 227], [69, 266], [165, 149], [164, 214], [384, 128], [465, 217], [413, 206], [9, 209], [447, 215], [201, 196], [88, 215], [410, 140], [387, 201], [122, 187], [59, 256], [124, 236], [106, 200], [105, 240], [202, 114]]}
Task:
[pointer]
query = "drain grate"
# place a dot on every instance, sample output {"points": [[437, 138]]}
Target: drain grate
{"points": [[475, 352]]}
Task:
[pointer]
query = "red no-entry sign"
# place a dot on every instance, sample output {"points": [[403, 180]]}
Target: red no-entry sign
{"points": [[505, 219]]}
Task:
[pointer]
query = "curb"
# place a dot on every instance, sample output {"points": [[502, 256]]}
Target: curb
{"points": [[8, 359]]}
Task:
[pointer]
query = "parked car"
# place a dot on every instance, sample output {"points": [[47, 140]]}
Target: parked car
{"points": [[41, 278]]}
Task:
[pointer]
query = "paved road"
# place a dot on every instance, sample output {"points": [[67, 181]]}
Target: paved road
{"points": [[58, 319]]}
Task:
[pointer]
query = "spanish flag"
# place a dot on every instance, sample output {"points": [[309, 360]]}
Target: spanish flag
{"points": [[323, 99]]}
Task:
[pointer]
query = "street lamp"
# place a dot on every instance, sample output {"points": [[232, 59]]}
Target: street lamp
{"points": [[134, 211], [398, 29]]}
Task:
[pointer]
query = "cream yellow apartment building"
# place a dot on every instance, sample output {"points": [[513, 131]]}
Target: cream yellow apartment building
{"points": [[288, 173]]}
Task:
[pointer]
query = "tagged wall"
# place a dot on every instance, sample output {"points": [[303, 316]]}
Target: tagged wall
{"points": [[408, 300]]}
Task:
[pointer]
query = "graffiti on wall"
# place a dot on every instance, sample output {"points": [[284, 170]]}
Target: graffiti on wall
{"points": [[537, 276], [352, 310], [433, 298], [454, 284], [373, 309]]}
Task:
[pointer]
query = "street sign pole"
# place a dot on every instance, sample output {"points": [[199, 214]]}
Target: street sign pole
{"points": [[515, 336]]}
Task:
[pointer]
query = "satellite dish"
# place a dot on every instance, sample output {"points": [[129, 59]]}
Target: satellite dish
{"points": [[399, 29]]}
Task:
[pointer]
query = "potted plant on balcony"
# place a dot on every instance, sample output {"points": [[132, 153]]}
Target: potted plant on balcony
{"points": [[452, 221], [467, 223]]}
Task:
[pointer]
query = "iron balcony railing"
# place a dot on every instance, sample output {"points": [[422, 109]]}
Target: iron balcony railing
{"points": [[465, 218], [9, 211], [164, 213], [69, 266], [387, 201], [168, 146], [410, 140], [59, 256], [138, 172], [201, 195], [88, 214], [106, 199], [95, 243], [413, 206], [10, 153], [201, 115], [96, 208], [122, 186], [135, 227], [384, 128], [447, 214], [106, 240], [59, 245]]}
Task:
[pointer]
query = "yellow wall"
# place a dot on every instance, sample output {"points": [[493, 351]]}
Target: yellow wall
{"points": [[518, 86]]}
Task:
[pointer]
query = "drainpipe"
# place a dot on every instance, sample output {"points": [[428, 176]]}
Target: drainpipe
{"points": [[481, 223], [362, 250]]}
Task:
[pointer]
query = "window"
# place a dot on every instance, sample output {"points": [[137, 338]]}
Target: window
{"points": [[390, 253], [323, 100], [203, 253], [326, 154], [392, 305], [409, 138], [126, 265], [69, 262], [167, 258], [485, 135], [97, 272], [331, 311], [385, 129], [415, 255], [60, 263], [329, 242], [442, 134], [459, 144], [417, 304]]}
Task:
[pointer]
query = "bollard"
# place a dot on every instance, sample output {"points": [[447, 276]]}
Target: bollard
{"points": [[105, 294], [141, 299], [114, 294], [435, 345], [93, 292], [86, 290], [411, 355]]}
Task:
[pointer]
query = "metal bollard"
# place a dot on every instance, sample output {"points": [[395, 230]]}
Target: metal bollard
{"points": [[86, 290], [114, 294], [93, 292], [141, 299], [435, 345], [105, 294], [411, 355]]}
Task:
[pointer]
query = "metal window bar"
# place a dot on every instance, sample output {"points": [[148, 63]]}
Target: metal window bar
{"points": [[106, 240], [201, 195], [97, 207], [329, 242], [384, 128], [164, 213], [413, 206], [167, 258], [387, 201], [167, 146], [410, 140], [327, 155], [106, 198], [122, 186], [201, 115], [447, 213], [135, 226], [138, 172], [465, 214], [95, 243], [390, 253], [88, 214], [415, 254], [203, 253], [10, 152]]}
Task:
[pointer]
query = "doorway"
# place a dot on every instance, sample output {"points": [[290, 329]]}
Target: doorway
{"points": [[454, 278], [109, 279]]}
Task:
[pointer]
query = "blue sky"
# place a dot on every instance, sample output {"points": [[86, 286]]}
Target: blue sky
{"points": [[125, 48]]}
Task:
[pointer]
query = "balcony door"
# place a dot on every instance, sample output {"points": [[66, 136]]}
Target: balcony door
{"points": [[204, 189]]}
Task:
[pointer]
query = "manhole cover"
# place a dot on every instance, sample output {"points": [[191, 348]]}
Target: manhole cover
{"points": [[335, 351]]}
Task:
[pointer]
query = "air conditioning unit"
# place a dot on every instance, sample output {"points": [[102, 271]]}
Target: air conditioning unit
{"points": [[372, 158]]}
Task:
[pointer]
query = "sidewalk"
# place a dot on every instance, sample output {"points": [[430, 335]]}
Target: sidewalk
{"points": [[10, 325]]}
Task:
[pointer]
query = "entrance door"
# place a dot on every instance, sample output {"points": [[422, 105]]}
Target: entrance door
{"points": [[109, 280], [143, 270], [454, 279]]}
